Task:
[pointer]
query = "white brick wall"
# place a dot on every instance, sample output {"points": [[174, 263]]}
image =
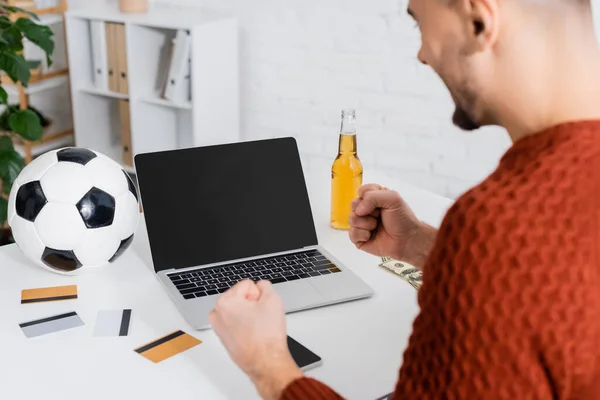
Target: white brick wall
{"points": [[305, 60]]}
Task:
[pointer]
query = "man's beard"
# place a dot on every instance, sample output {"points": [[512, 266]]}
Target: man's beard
{"points": [[462, 94], [462, 120]]}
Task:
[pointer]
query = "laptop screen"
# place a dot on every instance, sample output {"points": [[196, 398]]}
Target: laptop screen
{"points": [[220, 203]]}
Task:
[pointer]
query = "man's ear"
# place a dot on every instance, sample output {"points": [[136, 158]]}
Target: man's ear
{"points": [[479, 27], [481, 19]]}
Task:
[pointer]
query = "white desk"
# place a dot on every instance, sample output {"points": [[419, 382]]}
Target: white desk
{"points": [[361, 342]]}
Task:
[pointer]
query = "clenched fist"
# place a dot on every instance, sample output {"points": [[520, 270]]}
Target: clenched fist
{"points": [[382, 224], [250, 321]]}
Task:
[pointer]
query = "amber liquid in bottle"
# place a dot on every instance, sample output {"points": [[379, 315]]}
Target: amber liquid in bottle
{"points": [[346, 173]]}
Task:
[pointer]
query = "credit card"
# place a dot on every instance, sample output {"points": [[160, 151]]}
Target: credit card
{"points": [[54, 293], [112, 323], [167, 346], [51, 324]]}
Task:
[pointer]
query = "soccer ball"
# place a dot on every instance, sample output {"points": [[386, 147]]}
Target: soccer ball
{"points": [[73, 208]]}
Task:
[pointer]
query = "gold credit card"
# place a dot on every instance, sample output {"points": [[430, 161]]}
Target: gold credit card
{"points": [[55, 293], [167, 346]]}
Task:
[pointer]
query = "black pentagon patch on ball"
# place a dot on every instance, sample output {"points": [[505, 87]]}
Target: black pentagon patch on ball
{"points": [[132, 188], [122, 247], [76, 154], [97, 208], [30, 200], [61, 260]]}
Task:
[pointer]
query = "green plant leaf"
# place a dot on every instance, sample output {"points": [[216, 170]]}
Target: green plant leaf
{"points": [[41, 35], [11, 165], [14, 9], [15, 67], [5, 22], [13, 108], [6, 144], [6, 187], [3, 210], [3, 96], [4, 126], [27, 124], [11, 38]]}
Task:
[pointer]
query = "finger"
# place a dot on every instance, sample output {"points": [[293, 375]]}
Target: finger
{"points": [[252, 292], [266, 290], [368, 222], [253, 295], [374, 200], [367, 188], [243, 289], [264, 286], [354, 205], [359, 236]]}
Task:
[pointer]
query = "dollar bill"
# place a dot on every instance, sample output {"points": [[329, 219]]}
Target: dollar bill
{"points": [[386, 259], [410, 274]]}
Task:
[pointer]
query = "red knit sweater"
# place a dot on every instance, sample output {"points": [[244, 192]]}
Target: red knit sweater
{"points": [[510, 303]]}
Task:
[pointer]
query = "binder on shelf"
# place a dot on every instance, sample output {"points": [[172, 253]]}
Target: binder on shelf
{"points": [[165, 72], [99, 54], [127, 155], [112, 56], [123, 80], [176, 89], [181, 92]]}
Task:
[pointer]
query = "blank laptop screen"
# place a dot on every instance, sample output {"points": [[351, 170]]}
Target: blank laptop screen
{"points": [[219, 203]]}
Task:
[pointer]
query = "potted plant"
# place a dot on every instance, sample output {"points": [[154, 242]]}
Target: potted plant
{"points": [[17, 124]]}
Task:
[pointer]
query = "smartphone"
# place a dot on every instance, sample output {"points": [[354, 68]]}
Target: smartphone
{"points": [[305, 359]]}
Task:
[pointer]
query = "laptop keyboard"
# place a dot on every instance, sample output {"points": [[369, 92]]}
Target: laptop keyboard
{"points": [[210, 281]]}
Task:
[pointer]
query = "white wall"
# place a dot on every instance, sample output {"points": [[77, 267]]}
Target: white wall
{"points": [[305, 60]]}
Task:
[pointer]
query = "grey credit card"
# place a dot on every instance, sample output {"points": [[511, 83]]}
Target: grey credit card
{"points": [[112, 323], [51, 324]]}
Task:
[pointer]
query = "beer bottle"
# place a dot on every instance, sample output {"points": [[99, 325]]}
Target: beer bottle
{"points": [[346, 172]]}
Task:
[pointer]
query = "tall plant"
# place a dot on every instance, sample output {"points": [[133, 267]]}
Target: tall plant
{"points": [[24, 124]]}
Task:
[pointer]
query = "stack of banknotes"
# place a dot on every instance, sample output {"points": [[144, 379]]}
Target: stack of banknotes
{"points": [[407, 272]]}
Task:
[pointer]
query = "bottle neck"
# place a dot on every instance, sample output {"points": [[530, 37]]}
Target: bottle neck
{"points": [[347, 144], [348, 124]]}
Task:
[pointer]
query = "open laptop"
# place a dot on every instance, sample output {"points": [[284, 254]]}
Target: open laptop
{"points": [[218, 214]]}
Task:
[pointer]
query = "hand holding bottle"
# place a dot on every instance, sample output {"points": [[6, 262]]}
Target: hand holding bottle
{"points": [[382, 224]]}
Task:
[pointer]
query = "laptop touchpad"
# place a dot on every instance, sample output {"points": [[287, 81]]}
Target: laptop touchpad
{"points": [[298, 294]]}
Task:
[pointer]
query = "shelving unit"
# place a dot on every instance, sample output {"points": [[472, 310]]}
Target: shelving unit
{"points": [[42, 79], [102, 92], [153, 123], [162, 102]]}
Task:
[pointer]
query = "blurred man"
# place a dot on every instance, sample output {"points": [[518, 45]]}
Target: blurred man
{"points": [[510, 303]]}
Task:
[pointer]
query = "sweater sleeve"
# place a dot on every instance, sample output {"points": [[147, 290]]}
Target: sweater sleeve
{"points": [[498, 307], [308, 388]]}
